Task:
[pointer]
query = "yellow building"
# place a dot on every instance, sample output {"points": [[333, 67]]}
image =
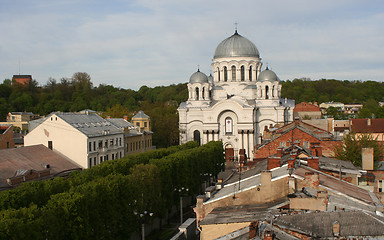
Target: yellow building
{"points": [[142, 121]]}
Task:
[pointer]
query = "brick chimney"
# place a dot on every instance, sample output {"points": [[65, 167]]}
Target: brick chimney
{"points": [[108, 117], [268, 235], [279, 152], [273, 162], [125, 118], [336, 228], [313, 162], [291, 163], [311, 179], [319, 151]]}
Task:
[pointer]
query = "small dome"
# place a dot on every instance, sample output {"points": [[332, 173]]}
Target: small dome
{"points": [[268, 75], [236, 46], [198, 77]]}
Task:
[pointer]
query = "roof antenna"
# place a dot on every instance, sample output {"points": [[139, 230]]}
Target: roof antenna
{"points": [[198, 68]]}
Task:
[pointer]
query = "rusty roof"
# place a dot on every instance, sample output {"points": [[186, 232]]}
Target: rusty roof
{"points": [[306, 107], [31, 158], [367, 125]]}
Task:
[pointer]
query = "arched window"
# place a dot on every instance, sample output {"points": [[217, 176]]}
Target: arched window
{"points": [[228, 125], [273, 91], [210, 94], [242, 73], [218, 72], [196, 136], [266, 92], [197, 93], [225, 74], [250, 73], [233, 70], [203, 93]]}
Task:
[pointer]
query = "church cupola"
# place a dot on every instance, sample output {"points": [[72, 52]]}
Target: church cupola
{"points": [[268, 85], [199, 87]]}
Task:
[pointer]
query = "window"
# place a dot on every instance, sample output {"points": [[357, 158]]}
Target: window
{"points": [[113, 156], [228, 125], [90, 162], [266, 92], [94, 161], [94, 146], [233, 70], [106, 157], [306, 144], [50, 145], [380, 186], [203, 93], [218, 73], [101, 159], [196, 136], [145, 124], [225, 74], [282, 144], [197, 93], [250, 73], [138, 124], [119, 141], [90, 147], [100, 144], [242, 71], [106, 143], [111, 142], [273, 91], [7, 144]]}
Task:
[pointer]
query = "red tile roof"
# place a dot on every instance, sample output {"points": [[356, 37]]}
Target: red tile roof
{"points": [[367, 125], [306, 107]]}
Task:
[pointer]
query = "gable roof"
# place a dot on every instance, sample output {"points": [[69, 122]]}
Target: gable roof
{"points": [[367, 125], [141, 114], [92, 125]]}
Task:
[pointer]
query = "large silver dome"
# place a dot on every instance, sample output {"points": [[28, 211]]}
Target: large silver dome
{"points": [[198, 77], [236, 46], [268, 75]]}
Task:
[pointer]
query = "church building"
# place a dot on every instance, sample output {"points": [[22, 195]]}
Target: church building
{"points": [[237, 103]]}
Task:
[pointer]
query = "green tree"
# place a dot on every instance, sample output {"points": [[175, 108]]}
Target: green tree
{"points": [[350, 150]]}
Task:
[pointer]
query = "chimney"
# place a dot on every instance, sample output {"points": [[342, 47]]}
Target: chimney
{"points": [[125, 118], [268, 235], [319, 151], [336, 228], [266, 177], [313, 162], [279, 152], [367, 158], [108, 117], [312, 179], [291, 163], [273, 162], [253, 229], [368, 122]]}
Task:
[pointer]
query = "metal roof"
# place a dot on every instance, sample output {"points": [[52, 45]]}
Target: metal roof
{"points": [[141, 114], [198, 77], [91, 125], [236, 46]]}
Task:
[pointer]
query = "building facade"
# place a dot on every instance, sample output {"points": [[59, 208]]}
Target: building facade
{"points": [[236, 103], [85, 138], [6, 136]]}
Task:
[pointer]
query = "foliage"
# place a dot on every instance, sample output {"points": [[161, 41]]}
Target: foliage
{"points": [[350, 150], [336, 113], [99, 203]]}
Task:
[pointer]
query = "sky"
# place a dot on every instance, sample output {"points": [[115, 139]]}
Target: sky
{"points": [[128, 43]]}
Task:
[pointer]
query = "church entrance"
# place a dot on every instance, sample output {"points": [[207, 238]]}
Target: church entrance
{"points": [[229, 154]]}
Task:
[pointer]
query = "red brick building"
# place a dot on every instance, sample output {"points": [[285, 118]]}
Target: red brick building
{"points": [[22, 79], [6, 136], [298, 133]]}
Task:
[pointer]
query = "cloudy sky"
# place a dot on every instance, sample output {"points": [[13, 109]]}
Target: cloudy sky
{"points": [[130, 43]]}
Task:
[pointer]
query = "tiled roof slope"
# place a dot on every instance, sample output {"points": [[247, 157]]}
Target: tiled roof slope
{"points": [[367, 125]]}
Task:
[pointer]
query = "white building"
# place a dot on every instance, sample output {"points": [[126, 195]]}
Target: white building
{"points": [[85, 138], [237, 103]]}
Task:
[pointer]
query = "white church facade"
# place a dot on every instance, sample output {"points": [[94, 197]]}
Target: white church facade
{"points": [[236, 103]]}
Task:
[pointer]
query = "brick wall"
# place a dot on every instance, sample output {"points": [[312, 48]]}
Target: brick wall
{"points": [[271, 148], [7, 137]]}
